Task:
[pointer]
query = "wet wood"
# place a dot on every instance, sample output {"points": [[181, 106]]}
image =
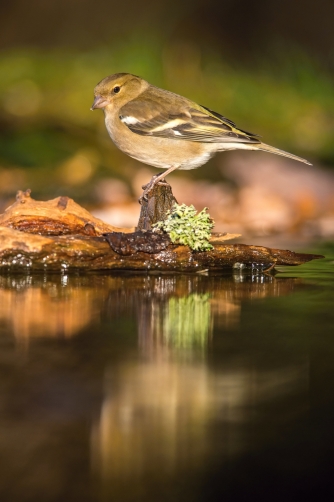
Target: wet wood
{"points": [[60, 235], [25, 252], [145, 241]]}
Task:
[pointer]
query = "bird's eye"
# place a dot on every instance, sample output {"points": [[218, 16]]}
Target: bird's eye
{"points": [[116, 89]]}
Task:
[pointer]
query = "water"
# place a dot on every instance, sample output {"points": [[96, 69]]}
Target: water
{"points": [[167, 388]]}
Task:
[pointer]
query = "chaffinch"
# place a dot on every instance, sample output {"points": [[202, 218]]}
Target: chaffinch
{"points": [[166, 130]]}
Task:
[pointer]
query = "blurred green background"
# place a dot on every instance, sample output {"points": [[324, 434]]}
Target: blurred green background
{"points": [[268, 66]]}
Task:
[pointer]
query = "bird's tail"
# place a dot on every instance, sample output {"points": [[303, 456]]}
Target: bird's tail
{"points": [[271, 149]]}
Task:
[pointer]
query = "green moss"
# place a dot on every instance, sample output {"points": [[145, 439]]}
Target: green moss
{"points": [[185, 226]]}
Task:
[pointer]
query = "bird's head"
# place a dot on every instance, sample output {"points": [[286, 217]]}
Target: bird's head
{"points": [[116, 90]]}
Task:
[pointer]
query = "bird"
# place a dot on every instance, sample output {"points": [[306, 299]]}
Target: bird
{"points": [[166, 130]]}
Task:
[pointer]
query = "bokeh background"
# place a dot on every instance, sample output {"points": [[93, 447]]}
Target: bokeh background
{"points": [[267, 65]]}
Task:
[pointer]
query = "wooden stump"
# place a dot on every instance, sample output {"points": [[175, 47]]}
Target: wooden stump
{"points": [[154, 208]]}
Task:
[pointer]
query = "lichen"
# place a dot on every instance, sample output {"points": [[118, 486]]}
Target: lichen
{"points": [[185, 226]]}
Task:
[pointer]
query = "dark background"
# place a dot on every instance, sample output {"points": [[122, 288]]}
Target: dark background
{"points": [[237, 28]]}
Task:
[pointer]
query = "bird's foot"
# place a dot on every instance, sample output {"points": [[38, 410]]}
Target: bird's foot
{"points": [[157, 179]]}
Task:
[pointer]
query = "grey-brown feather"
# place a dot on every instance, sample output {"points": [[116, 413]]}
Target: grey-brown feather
{"points": [[144, 114]]}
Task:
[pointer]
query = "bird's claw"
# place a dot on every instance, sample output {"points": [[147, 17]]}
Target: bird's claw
{"points": [[156, 180]]}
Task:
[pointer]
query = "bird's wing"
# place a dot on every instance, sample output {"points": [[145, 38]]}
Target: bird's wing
{"points": [[178, 118]]}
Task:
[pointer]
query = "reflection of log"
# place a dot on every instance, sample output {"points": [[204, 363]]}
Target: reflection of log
{"points": [[72, 238], [167, 308]]}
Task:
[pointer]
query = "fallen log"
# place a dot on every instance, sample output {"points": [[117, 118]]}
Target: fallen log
{"points": [[60, 216], [59, 235]]}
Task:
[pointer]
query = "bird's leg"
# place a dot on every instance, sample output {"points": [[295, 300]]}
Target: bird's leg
{"points": [[157, 178]]}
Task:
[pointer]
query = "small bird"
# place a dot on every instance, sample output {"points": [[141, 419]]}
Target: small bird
{"points": [[166, 130]]}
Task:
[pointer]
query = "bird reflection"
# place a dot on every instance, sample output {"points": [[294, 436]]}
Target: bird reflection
{"points": [[160, 409], [166, 420], [165, 412]]}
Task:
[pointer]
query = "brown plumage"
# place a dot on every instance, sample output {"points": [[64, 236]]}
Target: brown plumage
{"points": [[166, 130]]}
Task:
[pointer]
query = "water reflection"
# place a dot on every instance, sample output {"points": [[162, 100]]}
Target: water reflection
{"points": [[159, 379], [182, 311], [170, 420], [48, 307], [179, 311]]}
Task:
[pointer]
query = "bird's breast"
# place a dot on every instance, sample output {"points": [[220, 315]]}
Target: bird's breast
{"points": [[157, 151]]}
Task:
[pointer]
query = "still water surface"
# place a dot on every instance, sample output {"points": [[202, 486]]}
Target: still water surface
{"points": [[167, 388]]}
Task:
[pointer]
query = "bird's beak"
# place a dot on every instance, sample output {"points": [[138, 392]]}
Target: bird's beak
{"points": [[99, 102]]}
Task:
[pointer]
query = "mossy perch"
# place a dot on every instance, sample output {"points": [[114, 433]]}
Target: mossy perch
{"points": [[185, 226], [59, 235]]}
